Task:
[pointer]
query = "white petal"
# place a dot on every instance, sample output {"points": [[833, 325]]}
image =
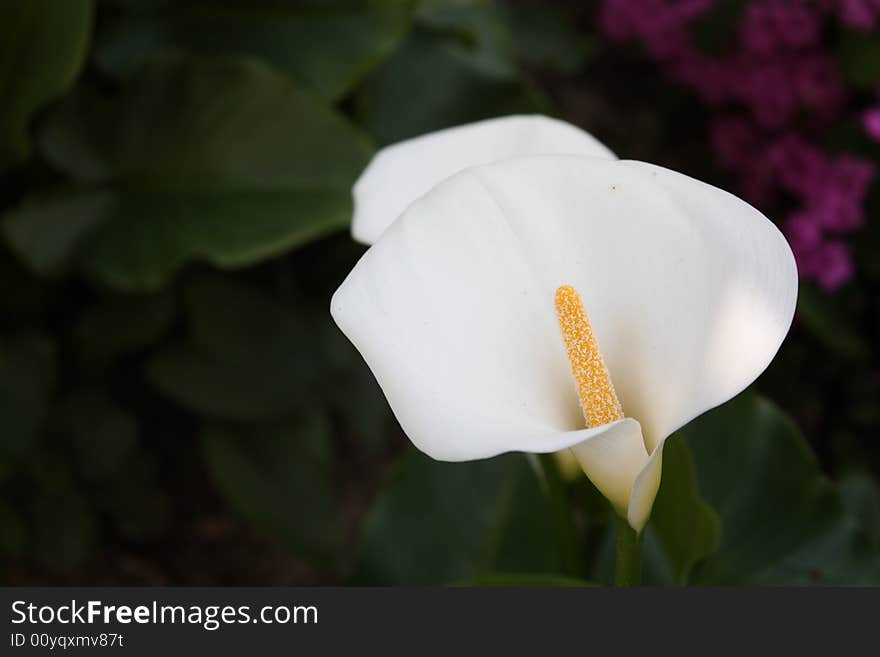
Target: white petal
{"points": [[401, 173], [613, 459], [644, 490], [690, 292], [721, 329], [462, 342]]}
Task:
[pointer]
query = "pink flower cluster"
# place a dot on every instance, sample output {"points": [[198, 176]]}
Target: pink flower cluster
{"points": [[777, 85], [832, 192], [857, 14]]}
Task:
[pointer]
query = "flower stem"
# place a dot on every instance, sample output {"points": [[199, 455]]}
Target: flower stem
{"points": [[628, 570], [571, 558]]}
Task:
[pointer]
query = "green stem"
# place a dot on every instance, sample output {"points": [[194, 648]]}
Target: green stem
{"points": [[628, 570], [562, 515]]}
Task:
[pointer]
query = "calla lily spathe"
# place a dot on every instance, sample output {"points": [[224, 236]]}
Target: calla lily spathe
{"points": [[689, 290], [401, 173]]}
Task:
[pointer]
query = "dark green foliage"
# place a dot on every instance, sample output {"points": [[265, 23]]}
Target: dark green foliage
{"points": [[439, 523], [42, 48], [221, 160], [174, 202]]}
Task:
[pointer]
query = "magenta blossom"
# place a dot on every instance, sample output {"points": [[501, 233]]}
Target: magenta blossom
{"points": [[769, 25], [799, 166], [871, 122], [788, 82], [735, 141], [818, 84], [858, 14], [830, 264]]}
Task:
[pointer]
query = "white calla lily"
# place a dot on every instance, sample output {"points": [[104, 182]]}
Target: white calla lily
{"points": [[689, 292], [401, 173]]}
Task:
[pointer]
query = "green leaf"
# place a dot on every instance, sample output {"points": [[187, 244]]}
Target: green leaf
{"points": [[480, 28], [63, 527], [326, 48], [861, 497], [219, 160], [43, 46], [100, 434], [683, 528], [133, 500], [247, 356], [441, 523], [839, 556], [100, 444], [433, 82], [848, 553], [525, 580], [27, 376], [25, 298], [715, 31], [829, 322], [120, 324], [47, 228], [13, 535], [366, 418], [782, 520], [546, 39], [858, 55], [279, 479], [357, 402]]}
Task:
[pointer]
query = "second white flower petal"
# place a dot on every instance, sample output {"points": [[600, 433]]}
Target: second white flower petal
{"points": [[402, 172]]}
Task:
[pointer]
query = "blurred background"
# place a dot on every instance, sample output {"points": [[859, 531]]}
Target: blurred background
{"points": [[176, 405]]}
